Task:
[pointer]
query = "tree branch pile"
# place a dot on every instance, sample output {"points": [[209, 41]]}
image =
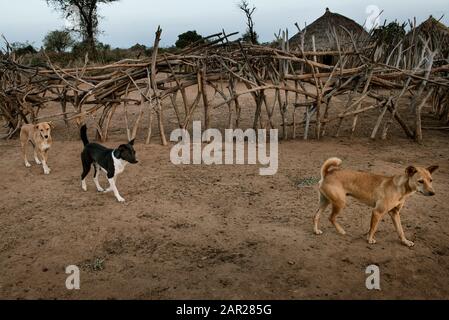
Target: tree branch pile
{"points": [[365, 77]]}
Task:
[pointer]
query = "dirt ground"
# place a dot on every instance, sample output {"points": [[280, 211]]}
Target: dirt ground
{"points": [[216, 232]]}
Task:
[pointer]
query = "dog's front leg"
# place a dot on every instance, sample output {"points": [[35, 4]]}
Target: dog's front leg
{"points": [[44, 155], [377, 216], [396, 217], [36, 158], [108, 190], [113, 187]]}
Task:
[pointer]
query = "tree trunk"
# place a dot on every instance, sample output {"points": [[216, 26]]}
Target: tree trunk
{"points": [[90, 41]]}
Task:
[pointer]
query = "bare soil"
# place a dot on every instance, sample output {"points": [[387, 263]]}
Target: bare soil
{"points": [[217, 232]]}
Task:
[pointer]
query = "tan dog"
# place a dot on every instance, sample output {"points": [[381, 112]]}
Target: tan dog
{"points": [[384, 194], [40, 137]]}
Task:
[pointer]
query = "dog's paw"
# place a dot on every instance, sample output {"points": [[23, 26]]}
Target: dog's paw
{"points": [[121, 200], [408, 243], [84, 186], [107, 191], [38, 162], [318, 232], [28, 165], [372, 241], [101, 190]]}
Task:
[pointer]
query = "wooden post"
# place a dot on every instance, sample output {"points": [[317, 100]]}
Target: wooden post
{"points": [[159, 110], [203, 77]]}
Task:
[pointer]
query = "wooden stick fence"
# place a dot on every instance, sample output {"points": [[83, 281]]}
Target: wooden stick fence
{"points": [[362, 74]]}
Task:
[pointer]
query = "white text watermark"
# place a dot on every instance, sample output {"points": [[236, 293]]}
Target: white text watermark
{"points": [[229, 152]]}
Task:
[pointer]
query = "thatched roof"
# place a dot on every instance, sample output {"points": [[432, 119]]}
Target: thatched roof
{"points": [[321, 30], [436, 31]]}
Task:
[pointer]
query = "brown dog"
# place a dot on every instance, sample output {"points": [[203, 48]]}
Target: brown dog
{"points": [[384, 194], [40, 137]]}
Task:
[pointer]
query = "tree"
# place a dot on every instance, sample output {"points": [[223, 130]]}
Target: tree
{"points": [[84, 13], [390, 34], [22, 48], [58, 40], [187, 38], [250, 37], [250, 34]]}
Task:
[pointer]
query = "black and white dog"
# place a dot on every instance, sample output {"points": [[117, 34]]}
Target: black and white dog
{"points": [[112, 162]]}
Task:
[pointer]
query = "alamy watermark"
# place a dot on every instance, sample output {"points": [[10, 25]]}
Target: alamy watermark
{"points": [[373, 19], [208, 148], [373, 280], [73, 281]]}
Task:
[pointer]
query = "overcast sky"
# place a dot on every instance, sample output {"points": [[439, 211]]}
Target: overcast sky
{"points": [[128, 22]]}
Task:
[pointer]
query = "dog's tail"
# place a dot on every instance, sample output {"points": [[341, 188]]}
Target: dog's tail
{"points": [[84, 135], [332, 162]]}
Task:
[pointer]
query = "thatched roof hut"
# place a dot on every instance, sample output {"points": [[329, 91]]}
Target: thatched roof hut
{"points": [[321, 30], [434, 30]]}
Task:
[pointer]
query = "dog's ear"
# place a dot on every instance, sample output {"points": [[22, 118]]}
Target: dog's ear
{"points": [[131, 143], [410, 171], [51, 124], [432, 169]]}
